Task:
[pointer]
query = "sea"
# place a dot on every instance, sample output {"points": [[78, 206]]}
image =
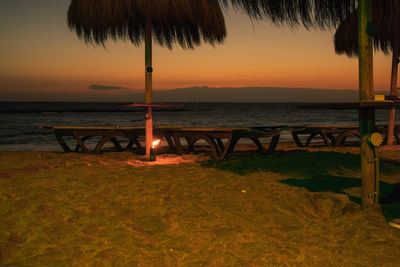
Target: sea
{"points": [[20, 121]]}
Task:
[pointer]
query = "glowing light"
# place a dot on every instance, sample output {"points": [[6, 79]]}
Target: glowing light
{"points": [[156, 143]]}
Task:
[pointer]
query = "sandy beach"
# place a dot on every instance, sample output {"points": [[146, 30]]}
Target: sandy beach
{"points": [[295, 207], [103, 76]]}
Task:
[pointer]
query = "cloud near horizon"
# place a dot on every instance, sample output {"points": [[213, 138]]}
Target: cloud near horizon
{"points": [[105, 87]]}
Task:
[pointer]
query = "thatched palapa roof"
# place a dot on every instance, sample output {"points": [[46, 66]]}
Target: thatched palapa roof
{"points": [[188, 22], [386, 16], [185, 22], [310, 13]]}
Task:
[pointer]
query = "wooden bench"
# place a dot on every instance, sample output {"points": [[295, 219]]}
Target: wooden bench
{"points": [[333, 136], [107, 134], [221, 140]]}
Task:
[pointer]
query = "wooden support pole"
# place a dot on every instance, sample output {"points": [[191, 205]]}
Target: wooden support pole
{"points": [[148, 87], [393, 93], [366, 115]]}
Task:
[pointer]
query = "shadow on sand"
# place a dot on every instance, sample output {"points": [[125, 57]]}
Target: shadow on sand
{"points": [[316, 171]]}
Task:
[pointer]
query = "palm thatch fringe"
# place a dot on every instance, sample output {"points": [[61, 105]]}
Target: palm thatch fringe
{"points": [[386, 16], [310, 13], [189, 22], [186, 22]]}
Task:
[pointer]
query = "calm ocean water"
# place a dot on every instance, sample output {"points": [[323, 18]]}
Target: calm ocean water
{"points": [[20, 121]]}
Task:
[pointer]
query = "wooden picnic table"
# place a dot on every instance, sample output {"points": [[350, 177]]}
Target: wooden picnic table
{"points": [[333, 135], [221, 140]]}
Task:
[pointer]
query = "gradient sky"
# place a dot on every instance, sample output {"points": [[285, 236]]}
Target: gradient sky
{"points": [[41, 59]]}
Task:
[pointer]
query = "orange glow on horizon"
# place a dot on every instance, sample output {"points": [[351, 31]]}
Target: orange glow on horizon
{"points": [[53, 62]]}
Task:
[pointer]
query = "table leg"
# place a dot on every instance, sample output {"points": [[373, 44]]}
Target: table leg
{"points": [[297, 139], [273, 143], [62, 143], [325, 138], [80, 142]]}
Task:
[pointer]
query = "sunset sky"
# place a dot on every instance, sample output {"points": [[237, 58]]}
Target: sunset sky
{"points": [[41, 59]]}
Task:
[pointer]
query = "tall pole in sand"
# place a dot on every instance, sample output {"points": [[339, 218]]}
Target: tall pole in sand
{"points": [[148, 87], [366, 115], [393, 92]]}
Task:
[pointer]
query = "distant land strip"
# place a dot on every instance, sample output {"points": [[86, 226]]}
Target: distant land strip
{"points": [[256, 94], [197, 94]]}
